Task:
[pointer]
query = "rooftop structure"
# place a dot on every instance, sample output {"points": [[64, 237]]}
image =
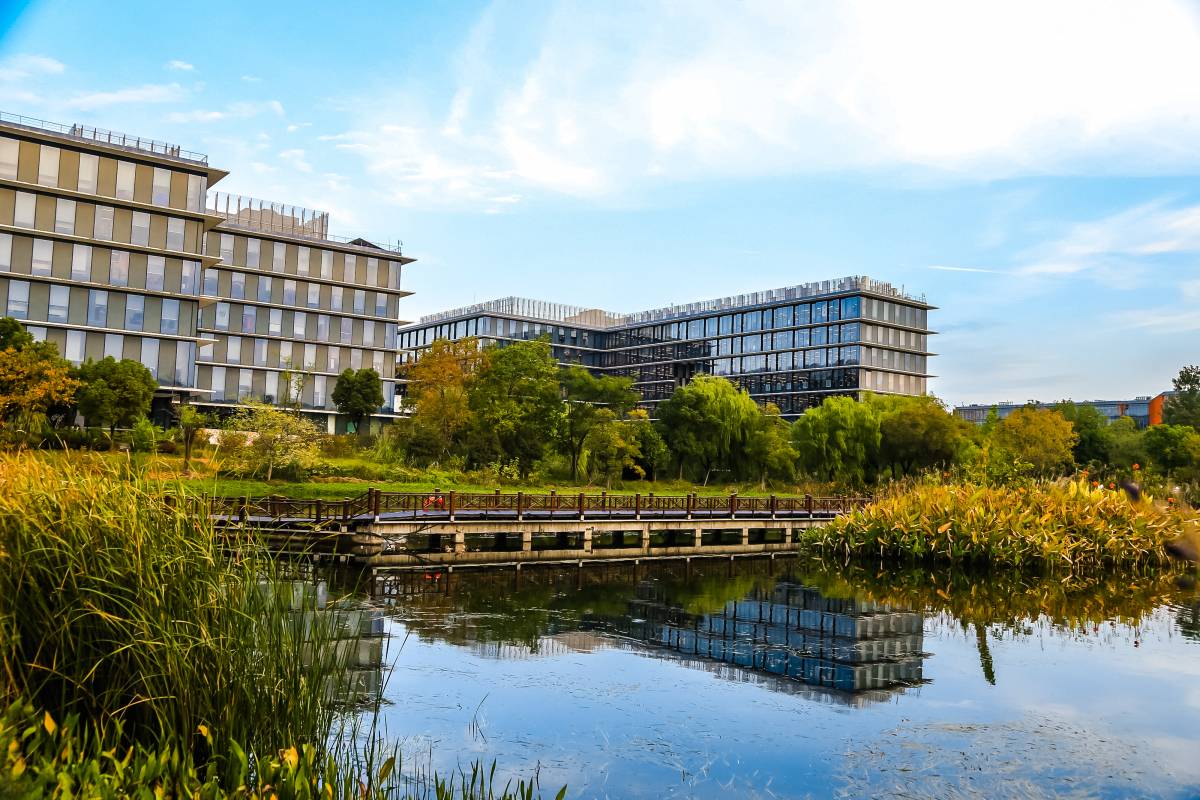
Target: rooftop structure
{"points": [[1144, 410], [102, 136]]}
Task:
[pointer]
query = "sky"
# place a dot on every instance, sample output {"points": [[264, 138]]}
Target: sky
{"points": [[1030, 168]]}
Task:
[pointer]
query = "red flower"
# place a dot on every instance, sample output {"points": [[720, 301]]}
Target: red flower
{"points": [[1112, 486], [1137, 467]]}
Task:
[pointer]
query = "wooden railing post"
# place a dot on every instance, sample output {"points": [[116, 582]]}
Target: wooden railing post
{"points": [[774, 507], [808, 504], [450, 505], [553, 502], [733, 503], [243, 511], [345, 509], [582, 502], [637, 506], [520, 498], [376, 502], [318, 519], [690, 503]]}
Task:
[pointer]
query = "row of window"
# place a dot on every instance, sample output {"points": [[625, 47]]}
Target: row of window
{"points": [[267, 289], [66, 216], [289, 355], [81, 262], [239, 385], [78, 306], [172, 363], [299, 325], [299, 260], [85, 172]]}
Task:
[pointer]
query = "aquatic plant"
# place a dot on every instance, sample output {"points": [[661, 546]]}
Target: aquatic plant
{"points": [[1044, 524]]}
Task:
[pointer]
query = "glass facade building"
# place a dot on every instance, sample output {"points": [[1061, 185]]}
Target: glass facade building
{"points": [[793, 346], [111, 245], [1144, 411]]}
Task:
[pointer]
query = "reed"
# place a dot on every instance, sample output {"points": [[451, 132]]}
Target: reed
{"points": [[1070, 525]]}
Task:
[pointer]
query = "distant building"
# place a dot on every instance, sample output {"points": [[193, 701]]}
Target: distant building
{"points": [[793, 346], [1144, 411]]}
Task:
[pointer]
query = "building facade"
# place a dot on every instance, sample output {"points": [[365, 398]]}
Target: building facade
{"points": [[1144, 411], [793, 346], [110, 245]]}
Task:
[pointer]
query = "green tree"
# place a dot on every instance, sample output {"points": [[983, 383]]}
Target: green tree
{"points": [[707, 424], [1183, 407], [838, 440], [612, 447], [1040, 437], [358, 394], [115, 393], [1172, 447], [271, 440], [1126, 445], [586, 396], [191, 422], [33, 378], [770, 447], [437, 394], [652, 451], [515, 403], [917, 433], [1094, 443]]}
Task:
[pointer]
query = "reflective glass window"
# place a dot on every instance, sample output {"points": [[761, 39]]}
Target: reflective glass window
{"points": [[160, 193], [135, 312], [48, 166], [98, 308], [43, 257], [64, 216], [125, 172], [60, 301], [140, 233], [9, 152], [81, 262], [170, 316], [89, 165], [150, 355], [24, 210], [156, 267], [74, 349]]}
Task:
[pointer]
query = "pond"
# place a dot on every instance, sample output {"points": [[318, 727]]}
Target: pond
{"points": [[790, 678]]}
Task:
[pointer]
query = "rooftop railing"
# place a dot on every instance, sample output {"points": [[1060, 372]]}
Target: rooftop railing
{"points": [[108, 137], [598, 318], [264, 215]]}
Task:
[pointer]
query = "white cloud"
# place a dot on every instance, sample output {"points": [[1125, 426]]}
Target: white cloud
{"points": [[149, 93], [944, 268], [296, 159], [251, 79], [21, 67], [706, 89], [180, 66], [239, 110]]}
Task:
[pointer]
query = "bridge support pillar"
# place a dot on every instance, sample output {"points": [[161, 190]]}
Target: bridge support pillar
{"points": [[526, 541], [645, 537], [460, 542], [745, 536], [586, 540], [697, 538]]}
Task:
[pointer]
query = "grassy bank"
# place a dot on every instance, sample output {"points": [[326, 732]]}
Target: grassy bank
{"points": [[1070, 525], [134, 654]]}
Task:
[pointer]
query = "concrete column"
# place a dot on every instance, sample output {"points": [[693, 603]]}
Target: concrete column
{"points": [[697, 537], [645, 537], [526, 541], [745, 536], [460, 542], [587, 540]]}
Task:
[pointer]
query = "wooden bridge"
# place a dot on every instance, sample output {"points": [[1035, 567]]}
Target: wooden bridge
{"points": [[423, 529]]}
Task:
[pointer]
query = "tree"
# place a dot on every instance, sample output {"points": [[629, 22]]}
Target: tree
{"points": [[358, 394], [707, 423], [1126, 445], [653, 452], [33, 378], [115, 393], [838, 440], [1183, 408], [437, 391], [917, 433], [1172, 447], [1042, 438], [515, 403], [274, 440], [586, 396], [770, 447], [612, 447], [191, 422], [1094, 444]]}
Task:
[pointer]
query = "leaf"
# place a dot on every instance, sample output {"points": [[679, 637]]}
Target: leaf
{"points": [[945, 527], [561, 793], [49, 723], [943, 595], [386, 769]]}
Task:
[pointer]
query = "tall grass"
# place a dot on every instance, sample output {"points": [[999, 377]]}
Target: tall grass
{"points": [[1043, 525]]}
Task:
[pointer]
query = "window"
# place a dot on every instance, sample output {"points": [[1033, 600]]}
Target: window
{"points": [[222, 316], [23, 211], [333, 359], [227, 248], [155, 268], [210, 281], [252, 252], [104, 223], [264, 288], [285, 354], [278, 251], [218, 384], [125, 172], [81, 263], [160, 194], [310, 356], [206, 352], [372, 272], [802, 315], [170, 316], [64, 216], [114, 346], [43, 257], [348, 270], [260, 352], [98, 308], [347, 330], [314, 295], [187, 277], [377, 361], [395, 274], [299, 323], [118, 268], [9, 150], [135, 308], [237, 286], [5, 250], [275, 324], [327, 265], [60, 301], [850, 332], [272, 386], [175, 230], [195, 192], [249, 319], [368, 334], [819, 313], [233, 350], [817, 336], [322, 327], [245, 379], [851, 307], [141, 229], [360, 301], [74, 352], [381, 304], [88, 167], [335, 298], [356, 358], [150, 356], [302, 260], [318, 391], [48, 166], [184, 363], [289, 293]]}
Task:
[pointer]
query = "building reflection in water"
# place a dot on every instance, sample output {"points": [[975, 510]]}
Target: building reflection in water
{"points": [[748, 626]]}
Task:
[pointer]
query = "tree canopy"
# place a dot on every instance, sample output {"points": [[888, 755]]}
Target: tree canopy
{"points": [[114, 393], [33, 378], [1183, 408], [1039, 437], [587, 397], [358, 394]]}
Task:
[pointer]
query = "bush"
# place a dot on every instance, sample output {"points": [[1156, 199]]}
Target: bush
{"points": [[338, 446], [144, 436], [168, 447]]}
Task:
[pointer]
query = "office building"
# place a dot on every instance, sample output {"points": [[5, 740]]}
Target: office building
{"points": [[793, 346], [1144, 410], [110, 245]]}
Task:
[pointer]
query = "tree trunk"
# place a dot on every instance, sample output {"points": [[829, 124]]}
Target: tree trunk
{"points": [[187, 450]]}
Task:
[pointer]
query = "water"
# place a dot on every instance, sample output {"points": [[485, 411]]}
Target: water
{"points": [[795, 679]]}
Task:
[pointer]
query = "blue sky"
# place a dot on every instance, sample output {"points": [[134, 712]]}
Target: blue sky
{"points": [[1029, 167]]}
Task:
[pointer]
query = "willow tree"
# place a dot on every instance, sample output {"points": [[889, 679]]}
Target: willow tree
{"points": [[838, 440], [708, 424]]}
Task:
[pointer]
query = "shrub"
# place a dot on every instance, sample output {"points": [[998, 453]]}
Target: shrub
{"points": [[144, 436]]}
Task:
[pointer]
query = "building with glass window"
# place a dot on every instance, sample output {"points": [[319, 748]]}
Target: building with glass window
{"points": [[111, 246], [1144, 410], [793, 346]]}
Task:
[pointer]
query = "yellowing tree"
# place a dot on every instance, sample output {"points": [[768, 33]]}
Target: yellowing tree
{"points": [[33, 377], [1039, 437], [437, 388]]}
